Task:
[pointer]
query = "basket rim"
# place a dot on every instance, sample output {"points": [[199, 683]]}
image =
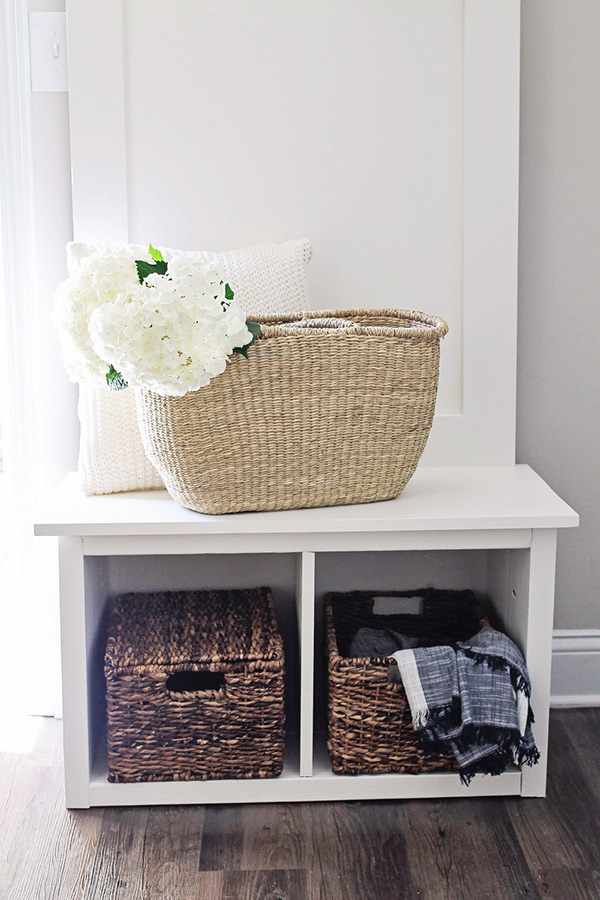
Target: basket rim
{"points": [[411, 323], [340, 662]]}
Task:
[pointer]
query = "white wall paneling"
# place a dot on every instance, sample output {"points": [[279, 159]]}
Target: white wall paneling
{"points": [[97, 119], [388, 137]]}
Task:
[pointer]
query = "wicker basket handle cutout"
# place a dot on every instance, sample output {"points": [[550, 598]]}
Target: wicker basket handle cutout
{"points": [[201, 683]]}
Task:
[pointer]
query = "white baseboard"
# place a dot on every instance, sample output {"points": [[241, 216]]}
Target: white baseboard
{"points": [[575, 668]]}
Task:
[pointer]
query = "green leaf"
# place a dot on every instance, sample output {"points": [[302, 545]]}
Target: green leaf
{"points": [[228, 293], [145, 268], [115, 380], [155, 254], [254, 329]]}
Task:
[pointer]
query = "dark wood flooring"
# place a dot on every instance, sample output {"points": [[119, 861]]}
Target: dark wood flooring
{"points": [[480, 849]]}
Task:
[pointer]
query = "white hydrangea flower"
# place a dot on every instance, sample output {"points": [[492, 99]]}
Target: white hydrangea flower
{"points": [[174, 332], [100, 278]]}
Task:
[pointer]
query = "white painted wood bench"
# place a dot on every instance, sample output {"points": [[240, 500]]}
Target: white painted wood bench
{"points": [[491, 529]]}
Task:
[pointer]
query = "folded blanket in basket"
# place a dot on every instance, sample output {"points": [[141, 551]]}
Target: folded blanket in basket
{"points": [[380, 642], [474, 697]]}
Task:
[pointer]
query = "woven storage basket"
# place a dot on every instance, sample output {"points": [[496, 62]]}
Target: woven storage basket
{"points": [[329, 408], [194, 686], [369, 719]]}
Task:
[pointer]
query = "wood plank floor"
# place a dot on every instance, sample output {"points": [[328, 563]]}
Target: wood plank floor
{"points": [[480, 849]]}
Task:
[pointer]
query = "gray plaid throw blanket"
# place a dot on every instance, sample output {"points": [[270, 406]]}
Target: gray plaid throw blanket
{"points": [[474, 697]]}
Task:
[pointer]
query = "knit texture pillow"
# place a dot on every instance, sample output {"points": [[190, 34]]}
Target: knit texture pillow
{"points": [[267, 279], [111, 455]]}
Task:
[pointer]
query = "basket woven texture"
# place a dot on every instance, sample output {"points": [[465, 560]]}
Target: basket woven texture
{"points": [[369, 719], [329, 408], [194, 686]]}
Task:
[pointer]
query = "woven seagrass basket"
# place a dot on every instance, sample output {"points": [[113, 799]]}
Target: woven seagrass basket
{"points": [[329, 408], [194, 686], [370, 728]]}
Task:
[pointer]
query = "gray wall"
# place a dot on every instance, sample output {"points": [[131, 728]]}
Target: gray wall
{"points": [[558, 414]]}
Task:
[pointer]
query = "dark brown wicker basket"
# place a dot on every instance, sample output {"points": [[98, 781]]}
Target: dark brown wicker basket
{"points": [[370, 725], [194, 686]]}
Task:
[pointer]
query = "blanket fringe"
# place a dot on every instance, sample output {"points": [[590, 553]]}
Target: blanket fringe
{"points": [[443, 717], [510, 749], [494, 764], [529, 757], [520, 683], [497, 762], [470, 736]]}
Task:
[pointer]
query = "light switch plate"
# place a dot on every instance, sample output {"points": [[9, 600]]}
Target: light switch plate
{"points": [[48, 51]]}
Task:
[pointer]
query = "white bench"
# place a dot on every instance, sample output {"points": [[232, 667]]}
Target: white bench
{"points": [[490, 529]]}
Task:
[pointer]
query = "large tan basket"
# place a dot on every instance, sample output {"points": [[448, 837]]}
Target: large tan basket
{"points": [[329, 408], [370, 728], [195, 686]]}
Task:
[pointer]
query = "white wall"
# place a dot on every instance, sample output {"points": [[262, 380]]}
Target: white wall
{"points": [[558, 409]]}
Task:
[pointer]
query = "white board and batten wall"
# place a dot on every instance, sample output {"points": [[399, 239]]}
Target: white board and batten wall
{"points": [[386, 133]]}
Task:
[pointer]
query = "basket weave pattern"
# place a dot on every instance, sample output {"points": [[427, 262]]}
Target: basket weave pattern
{"points": [[158, 731], [369, 719], [318, 415]]}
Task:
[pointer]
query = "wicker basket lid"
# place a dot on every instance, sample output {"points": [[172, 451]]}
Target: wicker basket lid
{"points": [[189, 627]]}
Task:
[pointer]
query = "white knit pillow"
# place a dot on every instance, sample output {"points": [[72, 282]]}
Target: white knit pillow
{"points": [[266, 279], [111, 455]]}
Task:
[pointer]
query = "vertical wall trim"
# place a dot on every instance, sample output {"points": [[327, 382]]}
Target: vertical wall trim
{"points": [[484, 434], [98, 133], [490, 220]]}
